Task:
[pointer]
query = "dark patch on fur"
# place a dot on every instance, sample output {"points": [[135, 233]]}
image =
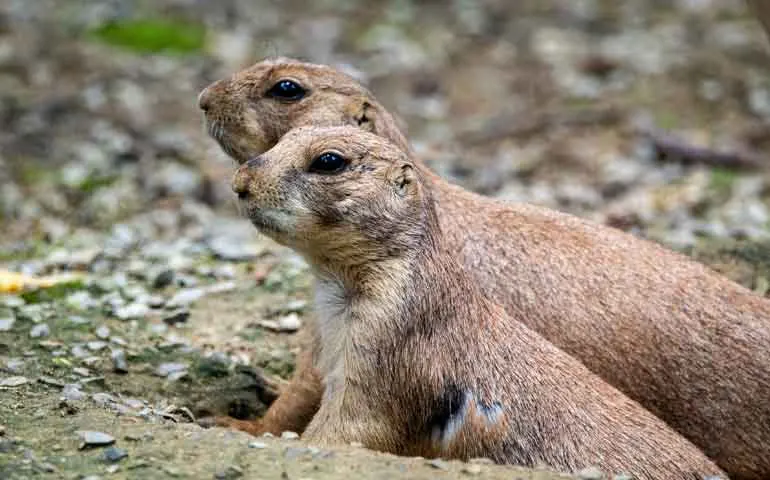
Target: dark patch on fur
{"points": [[445, 407]]}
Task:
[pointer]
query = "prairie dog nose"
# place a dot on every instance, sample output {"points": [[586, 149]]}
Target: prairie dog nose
{"points": [[244, 176], [204, 99], [241, 181]]}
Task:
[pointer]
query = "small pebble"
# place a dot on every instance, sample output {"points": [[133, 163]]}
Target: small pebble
{"points": [[185, 297], [166, 369], [72, 392], [472, 469], [78, 351], [162, 278], [96, 345], [293, 452], [119, 363], [257, 445], [132, 311], [590, 473], [112, 469], [40, 331], [15, 381], [114, 454], [6, 323], [95, 439], [438, 464], [83, 372], [178, 316], [289, 435], [229, 473], [103, 332]]}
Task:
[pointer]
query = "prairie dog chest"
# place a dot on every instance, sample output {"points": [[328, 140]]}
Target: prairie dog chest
{"points": [[332, 314]]}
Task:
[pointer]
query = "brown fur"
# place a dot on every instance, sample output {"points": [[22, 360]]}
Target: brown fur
{"points": [[390, 295], [686, 343]]}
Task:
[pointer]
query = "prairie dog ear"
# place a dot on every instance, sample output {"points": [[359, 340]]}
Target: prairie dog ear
{"points": [[403, 178], [362, 114]]}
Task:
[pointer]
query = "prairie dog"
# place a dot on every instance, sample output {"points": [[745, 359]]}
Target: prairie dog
{"points": [[686, 343], [414, 359]]}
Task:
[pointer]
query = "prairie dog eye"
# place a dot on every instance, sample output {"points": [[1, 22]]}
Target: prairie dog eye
{"points": [[328, 162], [286, 90]]}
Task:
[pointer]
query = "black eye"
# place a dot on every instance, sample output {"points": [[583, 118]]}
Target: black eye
{"points": [[286, 90], [328, 162]]}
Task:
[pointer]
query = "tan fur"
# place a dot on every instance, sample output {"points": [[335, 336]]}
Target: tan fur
{"points": [[391, 295], [686, 343]]}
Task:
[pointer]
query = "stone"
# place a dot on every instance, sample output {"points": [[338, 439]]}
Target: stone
{"points": [[257, 445], [119, 362], [438, 464], [103, 332], [166, 369], [289, 435], [590, 473], [40, 331], [185, 297], [93, 438], [15, 381], [6, 323], [114, 454], [178, 316], [132, 311]]}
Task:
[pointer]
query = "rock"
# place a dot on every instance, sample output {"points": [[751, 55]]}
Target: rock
{"points": [[6, 323], [78, 351], [72, 392], [179, 316], [103, 332], [15, 381], [14, 365], [289, 435], [166, 369], [472, 469], [590, 473], [2, 430], [12, 301], [103, 399], [132, 311], [96, 345], [438, 464], [83, 372], [114, 454], [81, 301], [95, 439], [233, 249], [257, 445], [293, 452], [78, 320], [229, 473], [162, 278], [40, 331], [185, 297], [31, 313], [289, 323], [119, 363]]}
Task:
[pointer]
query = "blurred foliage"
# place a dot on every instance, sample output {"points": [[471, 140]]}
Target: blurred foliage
{"points": [[153, 36]]}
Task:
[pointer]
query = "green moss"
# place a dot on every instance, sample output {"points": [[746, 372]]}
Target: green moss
{"points": [[55, 292], [722, 180], [152, 36]]}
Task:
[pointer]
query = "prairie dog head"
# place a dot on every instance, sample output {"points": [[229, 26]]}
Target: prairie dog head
{"points": [[336, 195], [250, 111]]}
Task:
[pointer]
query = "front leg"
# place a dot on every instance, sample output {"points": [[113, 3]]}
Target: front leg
{"points": [[335, 424]]}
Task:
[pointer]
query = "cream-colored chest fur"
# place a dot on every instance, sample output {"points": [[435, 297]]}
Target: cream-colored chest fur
{"points": [[332, 314]]}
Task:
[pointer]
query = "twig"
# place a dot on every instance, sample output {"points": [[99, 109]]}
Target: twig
{"points": [[671, 148]]}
